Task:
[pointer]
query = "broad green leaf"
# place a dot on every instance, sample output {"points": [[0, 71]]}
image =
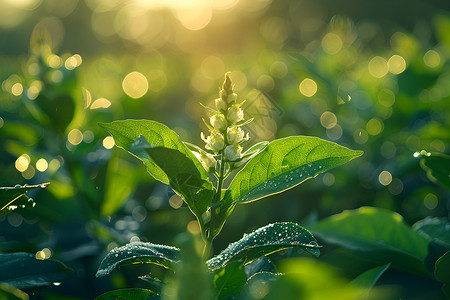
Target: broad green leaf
{"points": [[262, 264], [379, 234], [138, 253], [137, 136], [310, 279], [23, 270], [155, 285], [14, 197], [258, 285], [229, 281], [126, 132], [264, 241], [184, 178], [434, 229], [284, 164], [126, 294], [368, 279], [437, 167]]}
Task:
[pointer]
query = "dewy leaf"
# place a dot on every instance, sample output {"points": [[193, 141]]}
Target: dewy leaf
{"points": [[285, 163], [14, 197], [437, 167], [23, 270], [137, 253], [139, 136], [133, 293], [378, 234], [367, 279], [264, 241]]}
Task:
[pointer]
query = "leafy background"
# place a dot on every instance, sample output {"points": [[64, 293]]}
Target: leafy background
{"points": [[381, 71]]}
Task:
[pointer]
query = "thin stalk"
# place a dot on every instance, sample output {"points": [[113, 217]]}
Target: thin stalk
{"points": [[215, 201]]}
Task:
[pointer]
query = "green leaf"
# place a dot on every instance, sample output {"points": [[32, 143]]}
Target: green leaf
{"points": [[442, 272], [434, 229], [262, 264], [259, 285], [138, 253], [264, 241], [437, 167], [378, 234], [229, 281], [14, 197], [310, 279], [120, 182], [184, 178], [23, 270], [126, 294], [368, 279], [284, 164], [137, 136]]}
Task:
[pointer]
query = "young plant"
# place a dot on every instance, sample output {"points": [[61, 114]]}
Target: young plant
{"points": [[197, 175]]}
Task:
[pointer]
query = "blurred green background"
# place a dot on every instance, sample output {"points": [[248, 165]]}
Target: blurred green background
{"points": [[370, 75]]}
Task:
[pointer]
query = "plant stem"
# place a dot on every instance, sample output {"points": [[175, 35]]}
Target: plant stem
{"points": [[215, 202]]}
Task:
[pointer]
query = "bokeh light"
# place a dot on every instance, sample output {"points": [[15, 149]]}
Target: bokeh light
{"points": [[378, 67], [396, 64], [108, 142], [385, 178], [135, 85], [331, 43], [75, 137], [308, 87]]}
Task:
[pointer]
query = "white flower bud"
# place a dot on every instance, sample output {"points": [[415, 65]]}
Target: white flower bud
{"points": [[223, 93], [219, 122], [232, 98], [235, 135], [232, 152], [235, 114], [215, 142], [221, 104]]}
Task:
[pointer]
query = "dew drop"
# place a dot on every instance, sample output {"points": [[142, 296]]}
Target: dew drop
{"points": [[56, 283]]}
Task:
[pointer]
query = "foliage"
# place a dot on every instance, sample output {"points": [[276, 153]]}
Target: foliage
{"points": [[375, 81]]}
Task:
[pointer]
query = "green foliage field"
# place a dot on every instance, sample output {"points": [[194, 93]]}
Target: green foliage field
{"points": [[323, 75]]}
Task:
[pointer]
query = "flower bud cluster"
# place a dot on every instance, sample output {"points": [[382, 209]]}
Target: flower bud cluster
{"points": [[226, 134]]}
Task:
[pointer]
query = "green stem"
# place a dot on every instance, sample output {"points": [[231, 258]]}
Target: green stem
{"points": [[214, 206]]}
